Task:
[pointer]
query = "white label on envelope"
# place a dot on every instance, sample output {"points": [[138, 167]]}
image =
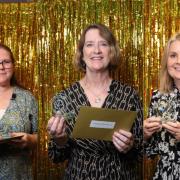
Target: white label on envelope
{"points": [[102, 124]]}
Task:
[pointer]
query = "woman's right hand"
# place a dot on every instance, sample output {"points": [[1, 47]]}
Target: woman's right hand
{"points": [[56, 128], [150, 126]]}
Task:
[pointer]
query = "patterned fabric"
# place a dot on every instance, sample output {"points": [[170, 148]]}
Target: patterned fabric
{"points": [[163, 143], [2, 111], [96, 159], [20, 116]]}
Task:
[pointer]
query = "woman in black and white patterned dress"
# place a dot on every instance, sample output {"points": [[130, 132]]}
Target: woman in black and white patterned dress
{"points": [[162, 128], [97, 54]]}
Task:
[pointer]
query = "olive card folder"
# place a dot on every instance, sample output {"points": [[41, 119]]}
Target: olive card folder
{"points": [[100, 123]]}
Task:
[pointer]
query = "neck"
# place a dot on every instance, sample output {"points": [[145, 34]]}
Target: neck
{"points": [[96, 80], [5, 88], [96, 88], [177, 83]]}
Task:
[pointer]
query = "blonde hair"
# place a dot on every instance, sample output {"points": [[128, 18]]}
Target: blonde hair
{"points": [[166, 81], [109, 37]]}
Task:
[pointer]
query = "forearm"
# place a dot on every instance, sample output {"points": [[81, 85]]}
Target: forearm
{"points": [[61, 141], [32, 140], [58, 153]]}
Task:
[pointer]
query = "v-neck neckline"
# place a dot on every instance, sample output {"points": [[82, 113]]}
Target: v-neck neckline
{"points": [[87, 100]]}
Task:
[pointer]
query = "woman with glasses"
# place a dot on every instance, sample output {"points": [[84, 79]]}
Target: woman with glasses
{"points": [[18, 120]]}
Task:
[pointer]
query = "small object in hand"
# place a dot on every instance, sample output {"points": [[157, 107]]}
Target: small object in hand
{"points": [[58, 114]]}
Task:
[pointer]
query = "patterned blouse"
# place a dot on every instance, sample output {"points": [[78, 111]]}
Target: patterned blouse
{"points": [[97, 159], [20, 116], [163, 143]]}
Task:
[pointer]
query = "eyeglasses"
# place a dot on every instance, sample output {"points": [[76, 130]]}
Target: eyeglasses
{"points": [[6, 63]]}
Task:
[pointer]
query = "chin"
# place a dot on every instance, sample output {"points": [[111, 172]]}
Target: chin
{"points": [[176, 78]]}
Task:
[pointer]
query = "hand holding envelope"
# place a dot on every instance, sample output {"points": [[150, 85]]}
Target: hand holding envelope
{"points": [[123, 140], [101, 123]]}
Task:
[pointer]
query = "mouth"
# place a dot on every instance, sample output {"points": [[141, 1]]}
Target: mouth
{"points": [[177, 68], [97, 58], [2, 73]]}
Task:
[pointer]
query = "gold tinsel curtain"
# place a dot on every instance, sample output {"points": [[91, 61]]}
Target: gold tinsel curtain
{"points": [[43, 36]]}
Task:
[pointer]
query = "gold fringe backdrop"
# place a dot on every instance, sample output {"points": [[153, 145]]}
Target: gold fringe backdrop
{"points": [[43, 36]]}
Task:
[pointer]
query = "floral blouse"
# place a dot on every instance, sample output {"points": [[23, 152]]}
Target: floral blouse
{"points": [[162, 143], [20, 116], [90, 159]]}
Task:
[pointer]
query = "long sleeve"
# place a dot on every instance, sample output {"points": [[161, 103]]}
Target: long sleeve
{"points": [[61, 153], [151, 145], [137, 129], [33, 114], [91, 158]]}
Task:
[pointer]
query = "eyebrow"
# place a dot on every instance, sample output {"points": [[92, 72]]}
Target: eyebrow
{"points": [[94, 41], [5, 59]]}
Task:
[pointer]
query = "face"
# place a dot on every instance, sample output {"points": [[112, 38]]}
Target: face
{"points": [[6, 69], [173, 63], [95, 51]]}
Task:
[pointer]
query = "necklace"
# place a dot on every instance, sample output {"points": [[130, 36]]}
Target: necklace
{"points": [[98, 98]]}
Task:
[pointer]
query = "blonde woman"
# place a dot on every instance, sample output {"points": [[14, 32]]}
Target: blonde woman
{"points": [[162, 128]]}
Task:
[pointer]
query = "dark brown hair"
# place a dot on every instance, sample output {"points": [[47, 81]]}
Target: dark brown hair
{"points": [[109, 37]]}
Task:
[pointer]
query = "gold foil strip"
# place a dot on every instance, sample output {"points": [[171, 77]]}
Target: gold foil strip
{"points": [[44, 34]]}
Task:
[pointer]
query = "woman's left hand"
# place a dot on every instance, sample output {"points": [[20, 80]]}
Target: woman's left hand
{"points": [[26, 141], [123, 140], [173, 128]]}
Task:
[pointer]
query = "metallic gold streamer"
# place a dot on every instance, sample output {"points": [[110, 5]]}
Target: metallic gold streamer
{"points": [[43, 36]]}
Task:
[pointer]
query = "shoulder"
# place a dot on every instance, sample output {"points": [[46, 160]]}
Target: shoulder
{"points": [[64, 94], [155, 92], [123, 88], [158, 94], [23, 93], [172, 95]]}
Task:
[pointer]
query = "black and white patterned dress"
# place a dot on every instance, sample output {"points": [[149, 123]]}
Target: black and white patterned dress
{"points": [[95, 159], [163, 143]]}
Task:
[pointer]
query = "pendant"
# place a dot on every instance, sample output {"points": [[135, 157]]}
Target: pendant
{"points": [[97, 100]]}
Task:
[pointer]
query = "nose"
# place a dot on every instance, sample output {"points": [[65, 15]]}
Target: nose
{"points": [[97, 48]]}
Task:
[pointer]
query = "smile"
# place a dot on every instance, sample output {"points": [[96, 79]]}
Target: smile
{"points": [[177, 68], [97, 58]]}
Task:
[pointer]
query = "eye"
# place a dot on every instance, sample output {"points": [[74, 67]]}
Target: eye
{"points": [[89, 45], [7, 61], [104, 44], [172, 55]]}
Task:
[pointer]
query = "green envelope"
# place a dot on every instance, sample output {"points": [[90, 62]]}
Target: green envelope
{"points": [[100, 123]]}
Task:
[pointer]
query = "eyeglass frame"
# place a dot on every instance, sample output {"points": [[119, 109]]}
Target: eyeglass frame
{"points": [[6, 62]]}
